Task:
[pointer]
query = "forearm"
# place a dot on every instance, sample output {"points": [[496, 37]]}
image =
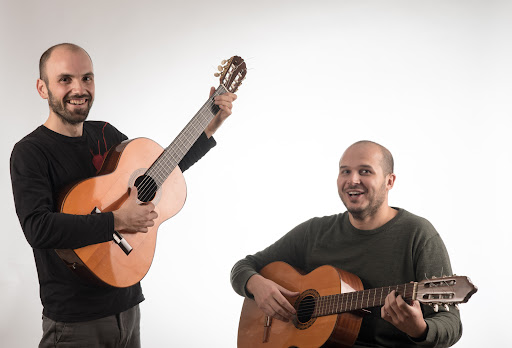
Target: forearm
{"points": [[444, 329], [66, 231], [202, 145]]}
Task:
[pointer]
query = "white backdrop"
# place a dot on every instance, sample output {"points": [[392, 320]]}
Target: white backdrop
{"points": [[430, 80]]}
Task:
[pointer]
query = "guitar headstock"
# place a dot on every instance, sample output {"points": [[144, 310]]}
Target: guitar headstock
{"points": [[445, 291], [232, 73]]}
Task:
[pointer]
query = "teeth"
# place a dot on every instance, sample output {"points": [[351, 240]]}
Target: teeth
{"points": [[354, 193], [77, 102]]}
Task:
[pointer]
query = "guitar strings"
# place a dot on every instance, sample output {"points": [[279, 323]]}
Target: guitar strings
{"points": [[330, 304], [146, 184], [145, 187]]}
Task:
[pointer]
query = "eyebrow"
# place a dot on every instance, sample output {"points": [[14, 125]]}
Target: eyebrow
{"points": [[361, 166], [71, 75]]}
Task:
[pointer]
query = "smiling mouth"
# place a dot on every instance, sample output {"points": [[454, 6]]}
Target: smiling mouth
{"points": [[354, 193], [81, 101]]}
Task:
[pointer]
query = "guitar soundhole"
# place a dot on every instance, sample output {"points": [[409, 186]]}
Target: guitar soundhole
{"points": [[305, 310], [305, 307], [146, 188]]}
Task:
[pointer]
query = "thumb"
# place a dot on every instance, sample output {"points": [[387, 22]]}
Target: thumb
{"points": [[133, 193], [212, 90]]}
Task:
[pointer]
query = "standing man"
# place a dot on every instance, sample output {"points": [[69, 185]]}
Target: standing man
{"points": [[64, 150], [380, 244]]}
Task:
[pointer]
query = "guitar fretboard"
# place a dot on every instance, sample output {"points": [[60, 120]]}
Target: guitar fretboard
{"points": [[175, 152], [351, 301]]}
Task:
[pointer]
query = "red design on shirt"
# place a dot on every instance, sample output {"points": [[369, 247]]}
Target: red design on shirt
{"points": [[97, 159]]}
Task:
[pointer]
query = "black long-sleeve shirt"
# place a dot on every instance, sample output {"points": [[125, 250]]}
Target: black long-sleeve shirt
{"points": [[42, 164]]}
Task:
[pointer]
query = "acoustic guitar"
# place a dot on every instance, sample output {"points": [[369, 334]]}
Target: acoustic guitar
{"points": [[154, 171], [329, 307]]}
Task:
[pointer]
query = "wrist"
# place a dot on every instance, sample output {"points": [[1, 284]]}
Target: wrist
{"points": [[251, 283], [421, 334]]}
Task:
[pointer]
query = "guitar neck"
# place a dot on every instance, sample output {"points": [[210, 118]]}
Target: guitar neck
{"points": [[356, 300], [175, 152]]}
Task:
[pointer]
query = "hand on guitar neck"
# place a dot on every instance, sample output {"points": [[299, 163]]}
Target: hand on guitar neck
{"points": [[225, 104], [270, 297], [405, 317], [134, 217]]}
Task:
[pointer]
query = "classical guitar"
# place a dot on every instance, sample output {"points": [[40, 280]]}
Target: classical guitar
{"points": [[329, 306], [155, 172]]}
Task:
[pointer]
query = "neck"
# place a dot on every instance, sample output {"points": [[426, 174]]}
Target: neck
{"points": [[374, 221], [56, 124]]}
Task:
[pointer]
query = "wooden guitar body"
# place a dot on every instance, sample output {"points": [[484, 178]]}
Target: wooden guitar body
{"points": [[106, 263], [338, 330]]}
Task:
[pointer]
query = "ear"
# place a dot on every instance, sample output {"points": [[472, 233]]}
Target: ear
{"points": [[42, 89], [390, 181]]}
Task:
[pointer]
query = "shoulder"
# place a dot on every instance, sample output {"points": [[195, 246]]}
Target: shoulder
{"points": [[31, 153], [415, 225], [416, 220], [32, 142]]}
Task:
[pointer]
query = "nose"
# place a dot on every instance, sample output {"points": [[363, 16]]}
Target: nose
{"points": [[78, 87], [354, 178]]}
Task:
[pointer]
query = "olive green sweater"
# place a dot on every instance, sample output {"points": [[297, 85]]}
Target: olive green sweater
{"points": [[405, 249]]}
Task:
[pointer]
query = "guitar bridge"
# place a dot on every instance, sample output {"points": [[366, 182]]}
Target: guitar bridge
{"points": [[266, 328], [118, 237]]}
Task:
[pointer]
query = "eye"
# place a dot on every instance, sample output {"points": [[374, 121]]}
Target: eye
{"points": [[87, 78], [344, 171], [65, 79], [365, 172]]}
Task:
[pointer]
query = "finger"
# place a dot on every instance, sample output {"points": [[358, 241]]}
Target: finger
{"points": [[225, 102], [288, 309], [212, 90], [401, 304], [279, 313], [227, 111], [226, 97], [389, 302]]}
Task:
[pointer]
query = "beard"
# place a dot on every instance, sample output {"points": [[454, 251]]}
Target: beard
{"points": [[374, 203], [70, 117]]}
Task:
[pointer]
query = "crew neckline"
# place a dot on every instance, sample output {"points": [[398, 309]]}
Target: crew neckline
{"points": [[378, 229], [63, 137]]}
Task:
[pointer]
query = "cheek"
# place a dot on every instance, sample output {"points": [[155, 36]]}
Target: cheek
{"points": [[339, 183]]}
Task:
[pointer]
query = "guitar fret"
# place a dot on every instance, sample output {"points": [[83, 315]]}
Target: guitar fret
{"points": [[175, 152]]}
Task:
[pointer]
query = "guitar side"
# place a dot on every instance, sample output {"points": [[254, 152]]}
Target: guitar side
{"points": [[339, 330], [106, 263]]}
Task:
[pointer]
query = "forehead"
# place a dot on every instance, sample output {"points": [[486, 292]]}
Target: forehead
{"points": [[69, 61], [362, 155]]}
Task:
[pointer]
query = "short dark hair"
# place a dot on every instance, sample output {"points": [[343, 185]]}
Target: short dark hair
{"points": [[387, 164], [46, 55]]}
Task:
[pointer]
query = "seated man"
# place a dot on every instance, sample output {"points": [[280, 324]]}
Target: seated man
{"points": [[382, 245]]}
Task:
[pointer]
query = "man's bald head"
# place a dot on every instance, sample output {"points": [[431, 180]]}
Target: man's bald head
{"points": [[47, 54], [387, 162]]}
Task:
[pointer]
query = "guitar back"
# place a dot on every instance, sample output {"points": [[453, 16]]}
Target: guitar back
{"points": [[338, 330], [106, 263]]}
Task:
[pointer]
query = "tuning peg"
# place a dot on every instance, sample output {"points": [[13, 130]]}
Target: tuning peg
{"points": [[447, 307], [223, 62], [220, 68], [216, 74], [436, 307]]}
